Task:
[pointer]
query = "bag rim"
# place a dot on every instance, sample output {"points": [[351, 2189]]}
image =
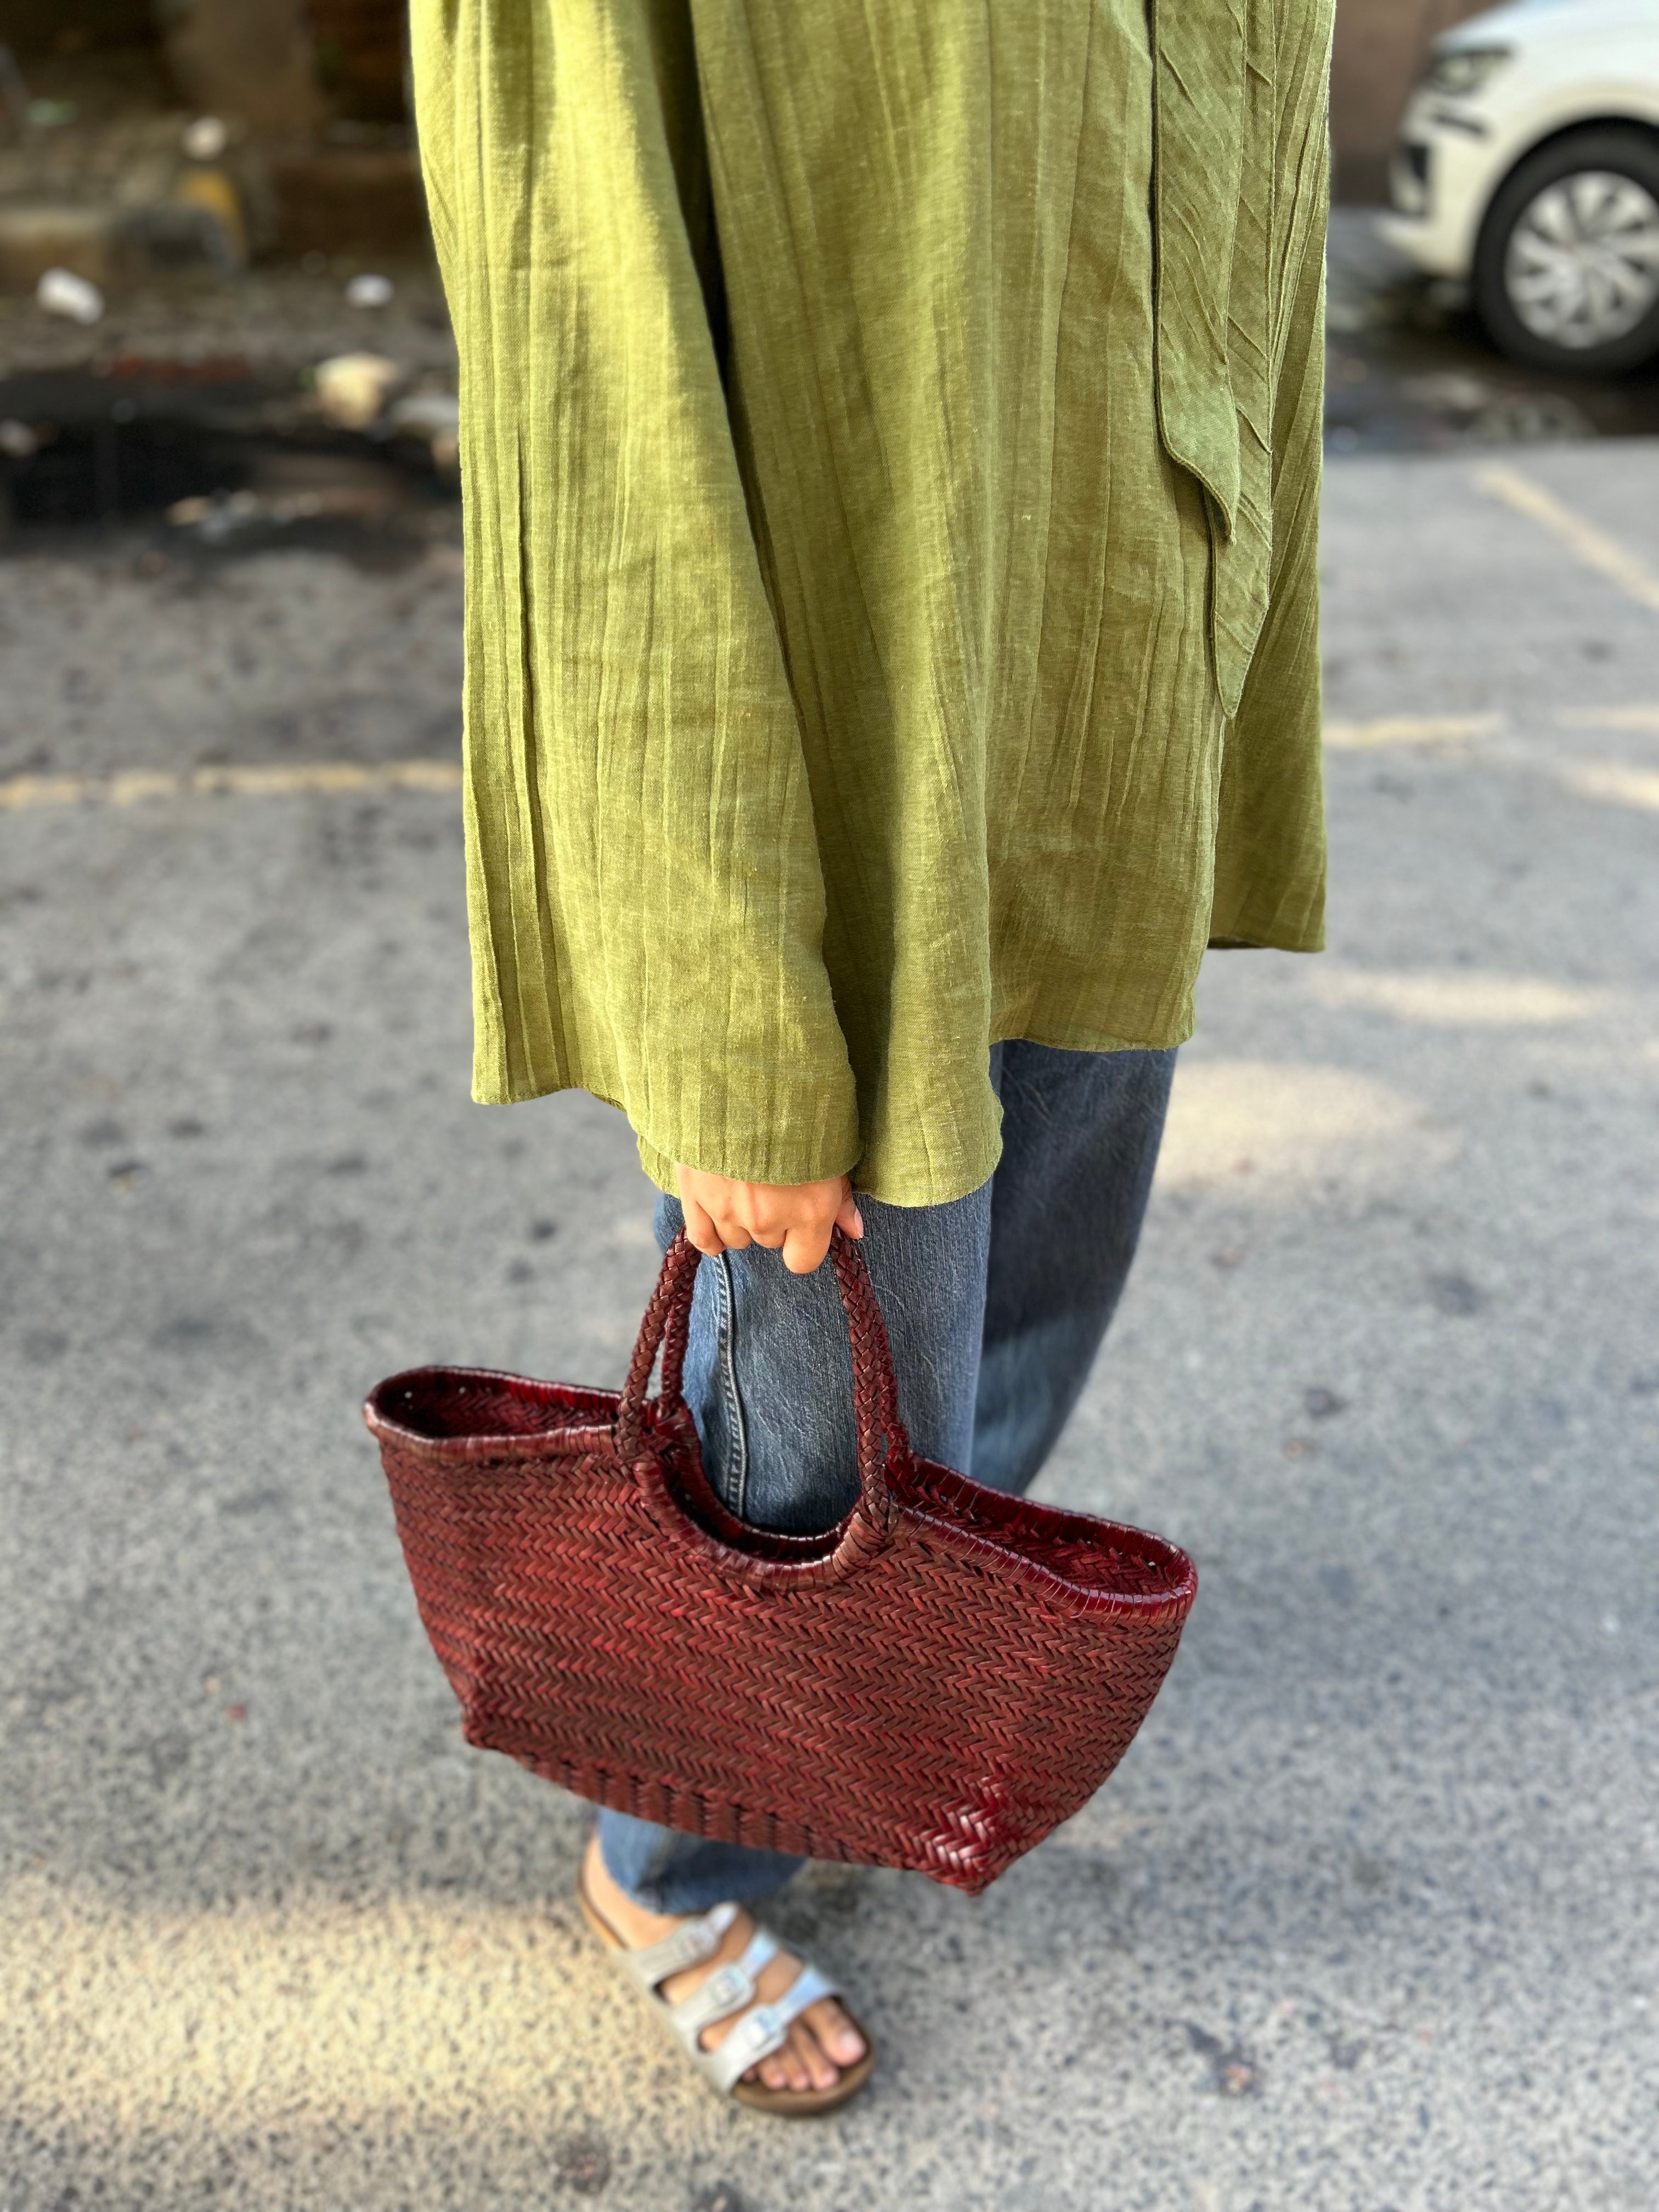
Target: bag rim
{"points": [[915, 1492]]}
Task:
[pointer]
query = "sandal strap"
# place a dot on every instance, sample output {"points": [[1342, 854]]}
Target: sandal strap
{"points": [[691, 1942], [729, 1988], [756, 2036], [763, 2030], [808, 1986]]}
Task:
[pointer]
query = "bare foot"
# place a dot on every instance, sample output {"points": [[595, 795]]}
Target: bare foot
{"points": [[821, 2041]]}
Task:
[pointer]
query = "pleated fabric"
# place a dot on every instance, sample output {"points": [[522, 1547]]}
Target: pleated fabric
{"points": [[891, 443]]}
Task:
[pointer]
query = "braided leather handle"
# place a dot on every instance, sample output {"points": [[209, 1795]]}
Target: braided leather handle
{"points": [[884, 1447]]}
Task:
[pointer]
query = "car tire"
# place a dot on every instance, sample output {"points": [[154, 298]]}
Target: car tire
{"points": [[1545, 232]]}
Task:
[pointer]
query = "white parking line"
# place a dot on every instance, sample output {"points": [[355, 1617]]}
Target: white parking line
{"points": [[1593, 546], [287, 779], [1615, 781], [1609, 718], [132, 786], [1461, 729], [1410, 730]]}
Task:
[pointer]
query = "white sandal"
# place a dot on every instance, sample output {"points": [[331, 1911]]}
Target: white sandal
{"points": [[729, 1989]]}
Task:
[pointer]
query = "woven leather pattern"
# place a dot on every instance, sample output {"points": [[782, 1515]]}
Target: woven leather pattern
{"points": [[934, 1685]]}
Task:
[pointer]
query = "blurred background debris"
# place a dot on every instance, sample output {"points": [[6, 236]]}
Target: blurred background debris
{"points": [[204, 206], [60, 292]]}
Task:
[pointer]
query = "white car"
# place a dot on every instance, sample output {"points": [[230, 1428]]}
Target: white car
{"points": [[1527, 166]]}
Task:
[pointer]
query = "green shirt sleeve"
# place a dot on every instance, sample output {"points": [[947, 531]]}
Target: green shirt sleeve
{"points": [[645, 899]]}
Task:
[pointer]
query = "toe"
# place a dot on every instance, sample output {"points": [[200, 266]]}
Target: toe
{"points": [[796, 2073], [822, 2071], [835, 2033]]}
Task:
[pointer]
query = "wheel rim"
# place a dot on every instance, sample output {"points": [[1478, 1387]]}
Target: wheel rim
{"points": [[1581, 267]]}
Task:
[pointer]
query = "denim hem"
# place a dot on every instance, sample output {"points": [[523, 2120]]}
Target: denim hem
{"points": [[733, 1477]]}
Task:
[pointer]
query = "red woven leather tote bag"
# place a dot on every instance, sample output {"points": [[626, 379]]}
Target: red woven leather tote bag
{"points": [[934, 1684]]}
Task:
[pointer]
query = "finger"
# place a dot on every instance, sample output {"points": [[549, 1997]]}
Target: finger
{"points": [[733, 1233], [849, 1219], [772, 1225], [700, 1228], [804, 1248], [768, 1215]]}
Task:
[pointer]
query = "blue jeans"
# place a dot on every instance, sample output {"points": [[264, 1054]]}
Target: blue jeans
{"points": [[996, 1306]]}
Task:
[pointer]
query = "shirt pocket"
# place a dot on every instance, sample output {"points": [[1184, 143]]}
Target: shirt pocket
{"points": [[1212, 219]]}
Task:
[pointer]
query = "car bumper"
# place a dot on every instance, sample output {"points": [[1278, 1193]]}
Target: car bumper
{"points": [[1440, 179], [1436, 247]]}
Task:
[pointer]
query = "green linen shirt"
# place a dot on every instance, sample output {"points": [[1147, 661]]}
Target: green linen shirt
{"points": [[890, 447]]}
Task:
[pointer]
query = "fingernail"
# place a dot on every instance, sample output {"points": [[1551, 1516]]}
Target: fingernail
{"points": [[858, 1222]]}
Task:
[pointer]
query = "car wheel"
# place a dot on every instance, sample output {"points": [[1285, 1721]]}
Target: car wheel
{"points": [[1566, 273]]}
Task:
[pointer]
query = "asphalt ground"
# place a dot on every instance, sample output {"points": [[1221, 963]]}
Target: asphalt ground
{"points": [[1365, 1921]]}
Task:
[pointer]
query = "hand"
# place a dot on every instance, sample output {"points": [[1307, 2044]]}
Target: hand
{"points": [[794, 1218]]}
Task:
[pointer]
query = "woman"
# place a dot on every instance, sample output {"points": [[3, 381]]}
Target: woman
{"points": [[891, 443]]}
